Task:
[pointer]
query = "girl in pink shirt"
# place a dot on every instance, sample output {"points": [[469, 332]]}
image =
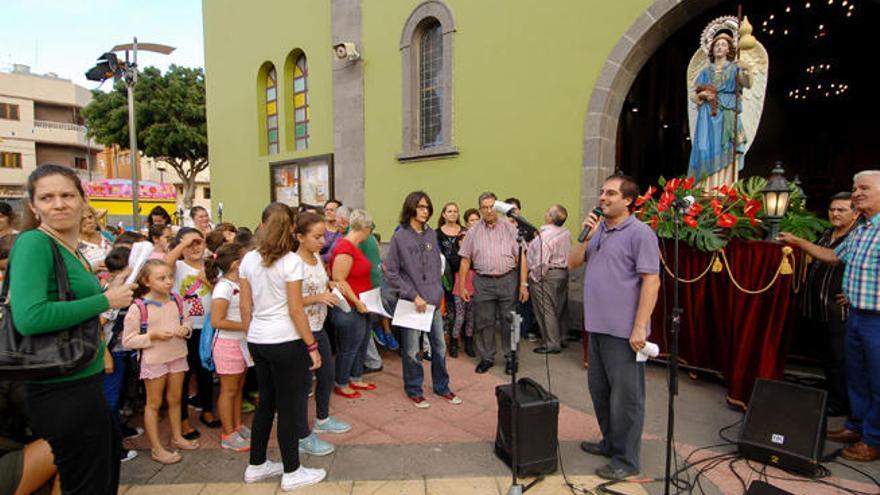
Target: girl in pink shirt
{"points": [[161, 336]]}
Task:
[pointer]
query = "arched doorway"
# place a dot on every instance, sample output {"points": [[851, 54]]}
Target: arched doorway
{"points": [[649, 31], [637, 117]]}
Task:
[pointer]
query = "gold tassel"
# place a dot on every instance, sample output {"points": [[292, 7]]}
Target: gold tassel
{"points": [[786, 269], [716, 265]]}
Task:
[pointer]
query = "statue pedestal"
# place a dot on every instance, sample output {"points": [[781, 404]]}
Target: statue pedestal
{"points": [[738, 335]]}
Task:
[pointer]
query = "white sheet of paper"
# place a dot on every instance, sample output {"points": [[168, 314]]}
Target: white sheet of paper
{"points": [[373, 300], [343, 303], [246, 353], [406, 316], [140, 253]]}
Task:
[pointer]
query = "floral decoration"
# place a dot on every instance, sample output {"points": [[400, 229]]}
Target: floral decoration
{"points": [[710, 219]]}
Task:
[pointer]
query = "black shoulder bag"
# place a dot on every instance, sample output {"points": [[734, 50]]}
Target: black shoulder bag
{"points": [[48, 355]]}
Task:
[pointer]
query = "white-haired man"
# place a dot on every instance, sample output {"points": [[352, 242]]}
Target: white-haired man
{"points": [[860, 252]]}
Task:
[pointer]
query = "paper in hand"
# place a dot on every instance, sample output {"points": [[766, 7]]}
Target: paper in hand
{"points": [[140, 253], [373, 300], [406, 316], [342, 304]]}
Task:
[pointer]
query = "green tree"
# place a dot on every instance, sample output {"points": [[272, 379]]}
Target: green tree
{"points": [[170, 114]]}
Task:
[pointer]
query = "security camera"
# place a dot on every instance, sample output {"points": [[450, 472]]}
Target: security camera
{"points": [[346, 51]]}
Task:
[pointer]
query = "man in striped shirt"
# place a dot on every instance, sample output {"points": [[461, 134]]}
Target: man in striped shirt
{"points": [[860, 252], [491, 248]]}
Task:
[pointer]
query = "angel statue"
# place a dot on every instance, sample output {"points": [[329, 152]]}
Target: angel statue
{"points": [[726, 83]]}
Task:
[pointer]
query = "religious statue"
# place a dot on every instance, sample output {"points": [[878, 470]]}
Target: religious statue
{"points": [[726, 83]]}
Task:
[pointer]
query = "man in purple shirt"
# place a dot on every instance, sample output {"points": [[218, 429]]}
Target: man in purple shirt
{"points": [[621, 282], [412, 271]]}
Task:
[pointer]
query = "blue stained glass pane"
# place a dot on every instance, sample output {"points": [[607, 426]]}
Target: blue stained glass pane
{"points": [[299, 84], [300, 114], [271, 94]]}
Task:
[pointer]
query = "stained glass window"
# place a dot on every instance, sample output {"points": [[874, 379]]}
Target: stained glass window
{"points": [[272, 111], [430, 87], [301, 111]]}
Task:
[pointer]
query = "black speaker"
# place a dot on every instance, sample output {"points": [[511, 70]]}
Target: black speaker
{"points": [[762, 488], [537, 417], [784, 426]]}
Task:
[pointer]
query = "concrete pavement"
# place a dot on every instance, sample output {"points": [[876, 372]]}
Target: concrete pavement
{"points": [[397, 448]]}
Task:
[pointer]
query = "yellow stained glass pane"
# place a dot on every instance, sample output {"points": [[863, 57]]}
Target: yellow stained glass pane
{"points": [[297, 72], [271, 108], [299, 100]]}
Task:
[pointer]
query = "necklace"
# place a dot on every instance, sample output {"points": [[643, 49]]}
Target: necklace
{"points": [[67, 246]]}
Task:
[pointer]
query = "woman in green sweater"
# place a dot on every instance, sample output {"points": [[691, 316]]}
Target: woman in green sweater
{"points": [[69, 411]]}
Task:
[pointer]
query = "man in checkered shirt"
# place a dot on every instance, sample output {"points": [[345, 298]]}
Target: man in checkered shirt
{"points": [[861, 285]]}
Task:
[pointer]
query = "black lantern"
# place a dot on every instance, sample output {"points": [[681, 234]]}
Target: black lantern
{"points": [[776, 195]]}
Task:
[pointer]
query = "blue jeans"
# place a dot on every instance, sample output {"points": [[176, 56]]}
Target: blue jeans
{"points": [[413, 373], [113, 382], [863, 375], [352, 337]]}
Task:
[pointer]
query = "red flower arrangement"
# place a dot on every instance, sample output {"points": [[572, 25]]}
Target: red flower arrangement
{"points": [[726, 212]]}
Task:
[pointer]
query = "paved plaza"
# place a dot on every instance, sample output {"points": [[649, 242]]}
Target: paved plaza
{"points": [[395, 448]]}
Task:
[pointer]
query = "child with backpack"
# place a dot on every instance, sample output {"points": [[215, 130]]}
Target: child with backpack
{"points": [[156, 325], [231, 357]]}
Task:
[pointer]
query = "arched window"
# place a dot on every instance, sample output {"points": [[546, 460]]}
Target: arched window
{"points": [[272, 111], [430, 85], [301, 111], [426, 50]]}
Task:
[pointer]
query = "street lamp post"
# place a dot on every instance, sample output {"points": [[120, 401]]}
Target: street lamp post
{"points": [[109, 67]]}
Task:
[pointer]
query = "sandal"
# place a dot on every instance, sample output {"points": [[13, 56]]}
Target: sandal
{"points": [[214, 423], [166, 457], [192, 435], [187, 445]]}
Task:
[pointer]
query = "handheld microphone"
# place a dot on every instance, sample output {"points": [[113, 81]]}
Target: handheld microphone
{"points": [[507, 209], [586, 230]]}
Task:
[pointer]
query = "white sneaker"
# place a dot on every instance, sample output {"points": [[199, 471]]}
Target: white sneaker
{"points": [[301, 477], [265, 470]]}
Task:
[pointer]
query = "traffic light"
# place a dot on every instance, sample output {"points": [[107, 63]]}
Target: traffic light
{"points": [[108, 66]]}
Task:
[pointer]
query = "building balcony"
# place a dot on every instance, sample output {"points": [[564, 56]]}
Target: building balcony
{"points": [[47, 131]]}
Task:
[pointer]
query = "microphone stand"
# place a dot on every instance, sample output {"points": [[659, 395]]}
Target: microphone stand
{"points": [[516, 320], [675, 327]]}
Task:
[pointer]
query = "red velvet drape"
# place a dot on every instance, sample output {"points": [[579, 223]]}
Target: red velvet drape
{"points": [[739, 335]]}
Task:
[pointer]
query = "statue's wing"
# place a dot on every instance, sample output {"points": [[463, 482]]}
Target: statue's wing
{"points": [[753, 98], [698, 62]]}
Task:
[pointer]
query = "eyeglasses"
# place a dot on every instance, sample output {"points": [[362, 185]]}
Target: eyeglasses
{"points": [[422, 207]]}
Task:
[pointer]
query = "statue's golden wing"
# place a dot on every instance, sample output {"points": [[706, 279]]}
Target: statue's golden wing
{"points": [[753, 98]]}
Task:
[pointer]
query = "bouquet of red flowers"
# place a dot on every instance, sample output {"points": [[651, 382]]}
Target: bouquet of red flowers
{"points": [[716, 216]]}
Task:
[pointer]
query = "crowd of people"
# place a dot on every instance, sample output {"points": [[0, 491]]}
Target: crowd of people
{"points": [[283, 319], [281, 308]]}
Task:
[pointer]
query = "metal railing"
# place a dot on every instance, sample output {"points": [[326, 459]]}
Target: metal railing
{"points": [[61, 126]]}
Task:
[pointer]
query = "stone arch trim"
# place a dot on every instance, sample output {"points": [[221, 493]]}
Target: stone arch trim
{"points": [[650, 30], [438, 10]]}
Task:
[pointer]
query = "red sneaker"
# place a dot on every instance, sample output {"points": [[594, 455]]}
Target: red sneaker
{"points": [[452, 398], [420, 402]]}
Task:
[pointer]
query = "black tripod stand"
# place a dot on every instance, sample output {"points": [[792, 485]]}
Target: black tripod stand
{"points": [[515, 323], [678, 206]]}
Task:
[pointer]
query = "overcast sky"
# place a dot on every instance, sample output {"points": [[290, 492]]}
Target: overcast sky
{"points": [[67, 36]]}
